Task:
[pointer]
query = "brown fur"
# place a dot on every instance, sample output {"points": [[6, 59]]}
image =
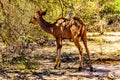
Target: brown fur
{"points": [[64, 28]]}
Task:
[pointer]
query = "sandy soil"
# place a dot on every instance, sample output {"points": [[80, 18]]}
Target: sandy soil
{"points": [[105, 55]]}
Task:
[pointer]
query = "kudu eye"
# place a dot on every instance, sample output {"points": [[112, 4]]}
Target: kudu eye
{"points": [[34, 17]]}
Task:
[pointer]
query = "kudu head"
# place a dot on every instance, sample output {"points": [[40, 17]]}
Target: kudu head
{"points": [[36, 17]]}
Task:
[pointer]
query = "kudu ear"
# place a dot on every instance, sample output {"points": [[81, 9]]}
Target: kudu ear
{"points": [[44, 12], [39, 12]]}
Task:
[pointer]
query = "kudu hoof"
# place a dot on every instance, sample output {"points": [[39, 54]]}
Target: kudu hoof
{"points": [[55, 66], [80, 69], [59, 65], [91, 69]]}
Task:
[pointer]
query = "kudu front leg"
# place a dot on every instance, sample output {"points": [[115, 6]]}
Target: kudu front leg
{"points": [[58, 57]]}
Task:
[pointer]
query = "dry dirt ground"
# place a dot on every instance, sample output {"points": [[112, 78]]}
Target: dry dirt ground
{"points": [[105, 55]]}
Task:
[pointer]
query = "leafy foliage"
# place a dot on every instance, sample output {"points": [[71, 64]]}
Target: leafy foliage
{"points": [[15, 15]]}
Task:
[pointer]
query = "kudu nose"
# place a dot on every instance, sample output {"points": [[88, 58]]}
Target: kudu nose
{"points": [[30, 22]]}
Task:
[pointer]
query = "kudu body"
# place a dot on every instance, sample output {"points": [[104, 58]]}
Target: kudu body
{"points": [[63, 28]]}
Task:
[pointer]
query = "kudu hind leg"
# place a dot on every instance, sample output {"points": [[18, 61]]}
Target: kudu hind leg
{"points": [[88, 53], [80, 53]]}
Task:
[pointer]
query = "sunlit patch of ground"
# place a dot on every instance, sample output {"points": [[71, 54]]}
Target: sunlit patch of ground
{"points": [[105, 56]]}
